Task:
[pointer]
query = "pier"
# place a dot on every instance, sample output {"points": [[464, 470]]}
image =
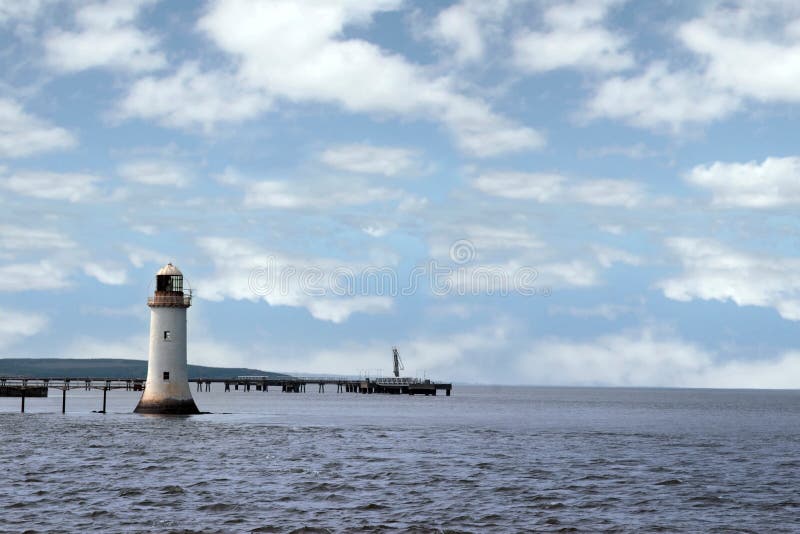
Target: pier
{"points": [[26, 387]]}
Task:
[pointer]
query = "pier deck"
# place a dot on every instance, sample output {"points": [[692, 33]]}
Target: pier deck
{"points": [[15, 386]]}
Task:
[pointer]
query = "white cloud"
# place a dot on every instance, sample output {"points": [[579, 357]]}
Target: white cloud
{"points": [[105, 37], [609, 312], [661, 99], [465, 26], [192, 98], [316, 195], [40, 276], [740, 52], [370, 159], [72, 187], [482, 240], [14, 237], [773, 183], [608, 256], [606, 193], [16, 10], [244, 271], [154, 172], [139, 256], [712, 271], [106, 274], [132, 347], [15, 325], [22, 134], [574, 37], [629, 359], [541, 187], [648, 358], [635, 151], [280, 52], [377, 230], [459, 28], [749, 48], [338, 311], [448, 356], [545, 187]]}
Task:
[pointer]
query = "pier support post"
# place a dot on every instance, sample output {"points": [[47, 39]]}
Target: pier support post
{"points": [[22, 408], [64, 400], [105, 392]]}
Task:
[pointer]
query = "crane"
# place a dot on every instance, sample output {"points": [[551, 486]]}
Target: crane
{"points": [[398, 362]]}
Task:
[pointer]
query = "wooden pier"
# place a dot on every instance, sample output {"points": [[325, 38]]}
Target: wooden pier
{"points": [[23, 387]]}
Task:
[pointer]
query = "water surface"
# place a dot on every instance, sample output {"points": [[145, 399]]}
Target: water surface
{"points": [[486, 459]]}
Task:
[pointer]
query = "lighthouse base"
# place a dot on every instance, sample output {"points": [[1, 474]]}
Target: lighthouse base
{"points": [[167, 407]]}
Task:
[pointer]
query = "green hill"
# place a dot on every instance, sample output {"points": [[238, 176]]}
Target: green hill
{"points": [[109, 368]]}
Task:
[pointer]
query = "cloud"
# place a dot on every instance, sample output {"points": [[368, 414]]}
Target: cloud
{"points": [[712, 271], [627, 359], [105, 37], [15, 325], [622, 193], [41, 276], [314, 195], [14, 11], [649, 358], [608, 256], [447, 356], [547, 187], [370, 159], [541, 187], [661, 99], [139, 256], [609, 312], [635, 151], [463, 27], [191, 98], [244, 271], [72, 187], [106, 274], [749, 48], [573, 38], [739, 52], [154, 172], [132, 347], [278, 51], [14, 237], [22, 134], [774, 183]]}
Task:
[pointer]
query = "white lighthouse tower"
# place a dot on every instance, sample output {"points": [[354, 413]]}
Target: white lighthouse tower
{"points": [[167, 388]]}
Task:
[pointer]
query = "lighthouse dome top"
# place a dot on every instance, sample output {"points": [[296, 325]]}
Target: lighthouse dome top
{"points": [[169, 270]]}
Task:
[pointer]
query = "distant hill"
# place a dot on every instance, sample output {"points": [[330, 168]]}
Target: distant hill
{"points": [[109, 368]]}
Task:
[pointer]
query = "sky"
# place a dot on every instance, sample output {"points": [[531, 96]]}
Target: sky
{"points": [[511, 192]]}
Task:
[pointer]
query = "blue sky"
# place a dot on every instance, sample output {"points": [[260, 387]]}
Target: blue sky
{"points": [[638, 162]]}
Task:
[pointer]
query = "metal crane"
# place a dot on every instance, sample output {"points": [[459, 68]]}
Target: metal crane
{"points": [[398, 362]]}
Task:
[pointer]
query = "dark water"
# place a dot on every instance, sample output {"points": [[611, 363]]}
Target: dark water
{"points": [[484, 460]]}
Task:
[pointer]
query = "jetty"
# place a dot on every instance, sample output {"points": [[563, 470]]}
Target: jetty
{"points": [[27, 387]]}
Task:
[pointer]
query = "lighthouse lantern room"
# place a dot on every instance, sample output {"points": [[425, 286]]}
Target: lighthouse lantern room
{"points": [[167, 388]]}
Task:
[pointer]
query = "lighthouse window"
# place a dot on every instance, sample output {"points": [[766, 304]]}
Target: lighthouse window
{"points": [[167, 335], [166, 375]]}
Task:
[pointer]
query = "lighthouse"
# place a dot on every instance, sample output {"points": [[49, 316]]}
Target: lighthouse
{"points": [[167, 388]]}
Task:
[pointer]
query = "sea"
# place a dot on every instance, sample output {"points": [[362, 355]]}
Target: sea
{"points": [[486, 459]]}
